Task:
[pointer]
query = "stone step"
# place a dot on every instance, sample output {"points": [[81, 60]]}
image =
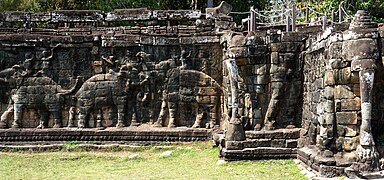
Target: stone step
{"points": [[47, 146], [259, 153], [127, 134], [326, 166], [254, 143], [274, 134]]}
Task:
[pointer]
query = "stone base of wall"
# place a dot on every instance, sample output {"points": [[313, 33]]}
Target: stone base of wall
{"points": [[133, 135], [325, 163], [275, 144]]}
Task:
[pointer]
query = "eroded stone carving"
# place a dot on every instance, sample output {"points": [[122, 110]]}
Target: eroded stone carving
{"points": [[223, 9], [217, 75], [363, 61], [189, 89], [119, 90], [235, 129], [34, 91], [39, 93]]}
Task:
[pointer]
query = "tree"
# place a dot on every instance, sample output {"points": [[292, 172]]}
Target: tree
{"points": [[9, 5]]}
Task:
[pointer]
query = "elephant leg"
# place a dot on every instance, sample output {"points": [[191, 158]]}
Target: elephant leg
{"points": [[17, 115], [71, 118], [98, 118], [172, 114], [83, 116], [43, 117], [212, 117], [134, 116], [274, 105], [4, 116], [162, 115], [197, 123], [120, 121], [56, 119], [121, 105], [212, 121], [199, 117]]}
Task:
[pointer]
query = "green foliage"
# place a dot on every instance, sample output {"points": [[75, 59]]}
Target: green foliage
{"points": [[325, 6], [108, 5], [9, 5], [374, 7]]}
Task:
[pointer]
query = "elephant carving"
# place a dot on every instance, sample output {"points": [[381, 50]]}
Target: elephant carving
{"points": [[115, 89], [40, 93], [189, 91]]}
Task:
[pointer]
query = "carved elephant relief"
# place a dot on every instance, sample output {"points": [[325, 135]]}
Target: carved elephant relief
{"points": [[39, 93], [189, 93], [111, 89]]}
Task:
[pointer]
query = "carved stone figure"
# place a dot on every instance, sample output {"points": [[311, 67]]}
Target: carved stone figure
{"points": [[46, 62], [40, 93], [8, 80], [223, 9], [247, 112], [235, 130], [139, 94], [189, 88], [107, 90], [364, 54]]}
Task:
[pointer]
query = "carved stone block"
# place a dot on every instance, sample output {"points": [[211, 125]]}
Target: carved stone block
{"points": [[350, 104], [329, 78], [343, 92], [346, 118], [338, 63], [343, 76]]}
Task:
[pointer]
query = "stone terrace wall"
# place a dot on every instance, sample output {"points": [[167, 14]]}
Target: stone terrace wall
{"points": [[270, 64], [316, 90], [80, 51], [270, 78], [92, 18], [335, 122]]}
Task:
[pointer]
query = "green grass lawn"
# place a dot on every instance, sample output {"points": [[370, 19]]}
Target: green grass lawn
{"points": [[187, 161]]}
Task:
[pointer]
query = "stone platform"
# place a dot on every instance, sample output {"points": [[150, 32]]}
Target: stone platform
{"points": [[134, 135], [274, 144], [325, 163]]}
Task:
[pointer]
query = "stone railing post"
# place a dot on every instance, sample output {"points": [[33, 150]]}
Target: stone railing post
{"points": [[293, 17], [252, 20], [288, 27], [324, 21], [306, 14], [340, 13]]}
